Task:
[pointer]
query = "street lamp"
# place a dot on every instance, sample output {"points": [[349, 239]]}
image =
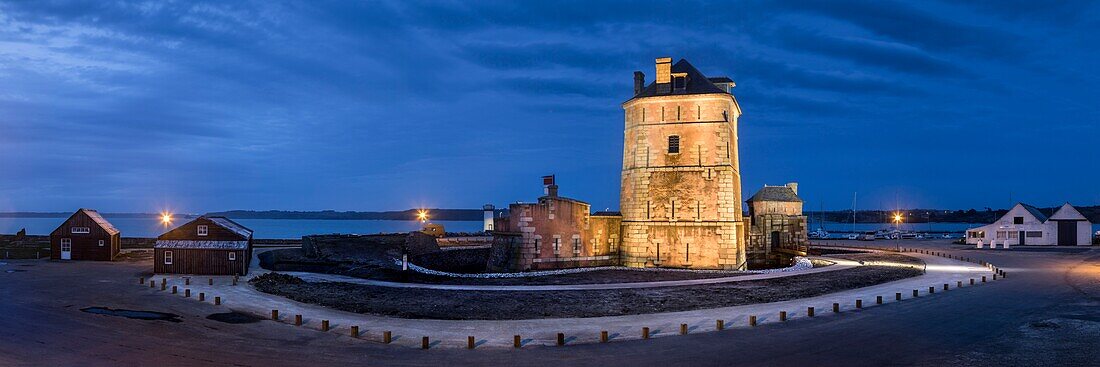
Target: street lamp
{"points": [[897, 231], [422, 215], [166, 218]]}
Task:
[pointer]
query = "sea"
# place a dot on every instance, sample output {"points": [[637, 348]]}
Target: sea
{"points": [[262, 228], [296, 228]]}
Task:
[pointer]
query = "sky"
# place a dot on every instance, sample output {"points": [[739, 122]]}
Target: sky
{"points": [[198, 106]]}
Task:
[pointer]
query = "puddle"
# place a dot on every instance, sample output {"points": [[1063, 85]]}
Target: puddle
{"points": [[233, 318], [15, 271], [131, 314]]}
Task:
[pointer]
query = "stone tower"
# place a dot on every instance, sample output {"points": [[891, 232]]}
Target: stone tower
{"points": [[681, 183]]}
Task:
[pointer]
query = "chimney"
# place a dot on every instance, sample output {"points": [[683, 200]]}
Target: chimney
{"points": [[552, 190], [793, 186], [639, 82], [664, 70]]}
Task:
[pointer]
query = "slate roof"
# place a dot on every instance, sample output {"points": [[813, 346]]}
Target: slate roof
{"points": [[697, 83], [201, 245], [232, 226], [775, 193], [107, 226], [1035, 212]]}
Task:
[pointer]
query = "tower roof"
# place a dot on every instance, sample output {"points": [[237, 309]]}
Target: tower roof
{"points": [[775, 193], [697, 83]]}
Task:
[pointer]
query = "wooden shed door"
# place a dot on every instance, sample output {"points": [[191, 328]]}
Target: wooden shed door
{"points": [[66, 249], [1067, 233]]}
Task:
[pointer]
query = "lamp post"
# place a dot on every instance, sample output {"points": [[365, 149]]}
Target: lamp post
{"points": [[897, 231], [166, 218]]}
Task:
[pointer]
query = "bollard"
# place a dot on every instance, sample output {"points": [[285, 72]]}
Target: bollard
{"points": [[142, 281], [186, 281], [603, 336], [878, 300], [163, 282], [897, 296], [752, 320], [810, 311], [202, 296], [983, 278], [945, 286], [162, 285], [971, 281], [469, 342], [915, 294], [211, 281], [152, 284], [387, 337], [234, 280], [173, 289], [994, 276], [683, 329], [782, 315], [1004, 274], [859, 303], [516, 341], [217, 301], [720, 324], [931, 290], [959, 284], [274, 314], [836, 307], [187, 292], [355, 331], [561, 339], [324, 325], [645, 332], [297, 320], [424, 343]]}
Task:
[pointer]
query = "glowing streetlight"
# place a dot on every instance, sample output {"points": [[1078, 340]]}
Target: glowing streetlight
{"points": [[166, 218], [422, 215], [897, 231]]}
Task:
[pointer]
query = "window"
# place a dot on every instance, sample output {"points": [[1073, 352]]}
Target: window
{"points": [[1034, 234], [82, 230], [232, 256], [674, 144], [168, 258], [576, 246], [557, 245], [203, 230], [679, 82], [538, 246], [1000, 235], [1017, 220], [100, 243], [1013, 234]]}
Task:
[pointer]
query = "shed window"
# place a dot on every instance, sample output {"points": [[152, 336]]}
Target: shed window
{"points": [[232, 256], [100, 243], [82, 230], [674, 144], [168, 258], [203, 230], [1035, 234], [1017, 220]]}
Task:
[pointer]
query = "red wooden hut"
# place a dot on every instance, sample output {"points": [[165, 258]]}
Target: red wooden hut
{"points": [[204, 246], [85, 236]]}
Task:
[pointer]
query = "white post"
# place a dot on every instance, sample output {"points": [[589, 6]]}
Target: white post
{"points": [[405, 262], [981, 244]]}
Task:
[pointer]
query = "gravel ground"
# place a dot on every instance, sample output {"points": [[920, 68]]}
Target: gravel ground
{"points": [[495, 305]]}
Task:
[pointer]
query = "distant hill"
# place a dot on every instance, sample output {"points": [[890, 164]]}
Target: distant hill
{"points": [[433, 214]]}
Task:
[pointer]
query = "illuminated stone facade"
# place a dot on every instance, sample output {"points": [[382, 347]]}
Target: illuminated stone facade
{"points": [[681, 185], [775, 223]]}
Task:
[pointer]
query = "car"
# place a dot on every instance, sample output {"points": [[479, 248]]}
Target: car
{"points": [[853, 236], [867, 236]]}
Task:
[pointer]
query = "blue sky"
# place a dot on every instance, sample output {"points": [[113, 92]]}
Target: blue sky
{"points": [[202, 106]]}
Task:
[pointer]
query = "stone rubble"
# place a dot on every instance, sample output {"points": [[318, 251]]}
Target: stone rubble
{"points": [[801, 263]]}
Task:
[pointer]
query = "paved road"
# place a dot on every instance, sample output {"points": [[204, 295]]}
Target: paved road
{"points": [[1046, 313]]}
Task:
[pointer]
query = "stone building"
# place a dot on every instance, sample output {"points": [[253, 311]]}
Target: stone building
{"points": [[681, 184], [554, 233], [776, 226]]}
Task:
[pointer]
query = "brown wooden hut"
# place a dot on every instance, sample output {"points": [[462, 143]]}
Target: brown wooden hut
{"points": [[85, 236], [204, 246]]}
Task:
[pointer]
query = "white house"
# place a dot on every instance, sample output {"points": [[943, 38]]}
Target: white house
{"points": [[1026, 225]]}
